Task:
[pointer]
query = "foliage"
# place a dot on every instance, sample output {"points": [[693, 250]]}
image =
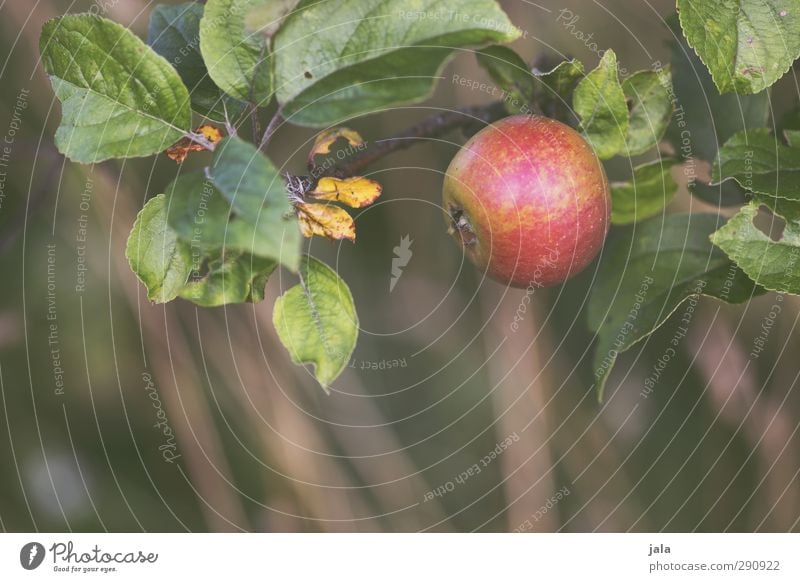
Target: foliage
{"points": [[317, 322], [600, 103], [650, 270], [647, 95], [120, 99], [366, 55], [237, 54], [512, 73], [646, 194], [156, 254], [773, 263], [174, 33], [214, 236], [746, 44]]}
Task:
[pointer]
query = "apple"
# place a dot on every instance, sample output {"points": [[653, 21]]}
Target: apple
{"points": [[528, 200]]}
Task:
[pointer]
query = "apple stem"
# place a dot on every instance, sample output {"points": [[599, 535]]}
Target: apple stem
{"points": [[460, 224]]}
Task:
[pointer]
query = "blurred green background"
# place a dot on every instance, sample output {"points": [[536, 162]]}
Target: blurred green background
{"points": [[174, 418]]}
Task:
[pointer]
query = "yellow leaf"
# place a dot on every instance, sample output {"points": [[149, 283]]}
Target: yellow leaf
{"points": [[184, 146], [355, 192], [211, 133], [325, 220], [327, 138]]}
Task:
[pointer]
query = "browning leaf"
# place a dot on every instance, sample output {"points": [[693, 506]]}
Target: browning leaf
{"points": [[325, 220], [355, 192], [178, 152], [327, 138]]}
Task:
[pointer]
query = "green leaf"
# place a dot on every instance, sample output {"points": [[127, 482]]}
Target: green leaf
{"points": [[554, 89], [792, 137], [650, 109], [229, 278], [773, 264], [600, 103], [174, 33], [747, 45], [790, 124], [646, 195], [727, 193], [159, 259], [257, 192], [120, 99], [351, 57], [704, 119], [317, 322], [562, 79], [758, 163], [649, 271], [267, 17], [512, 74], [236, 48], [201, 215], [171, 267]]}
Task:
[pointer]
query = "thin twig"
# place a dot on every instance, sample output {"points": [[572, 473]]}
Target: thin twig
{"points": [[199, 138], [254, 122], [271, 128], [433, 126], [436, 125], [228, 125]]}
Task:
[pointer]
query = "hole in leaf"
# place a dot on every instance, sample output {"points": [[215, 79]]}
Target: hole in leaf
{"points": [[770, 224], [629, 103], [202, 271]]}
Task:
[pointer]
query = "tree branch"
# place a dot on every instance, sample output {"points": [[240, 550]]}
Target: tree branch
{"points": [[436, 125], [271, 128]]}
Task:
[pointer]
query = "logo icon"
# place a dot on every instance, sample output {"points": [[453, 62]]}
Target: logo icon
{"points": [[402, 256], [31, 555]]}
